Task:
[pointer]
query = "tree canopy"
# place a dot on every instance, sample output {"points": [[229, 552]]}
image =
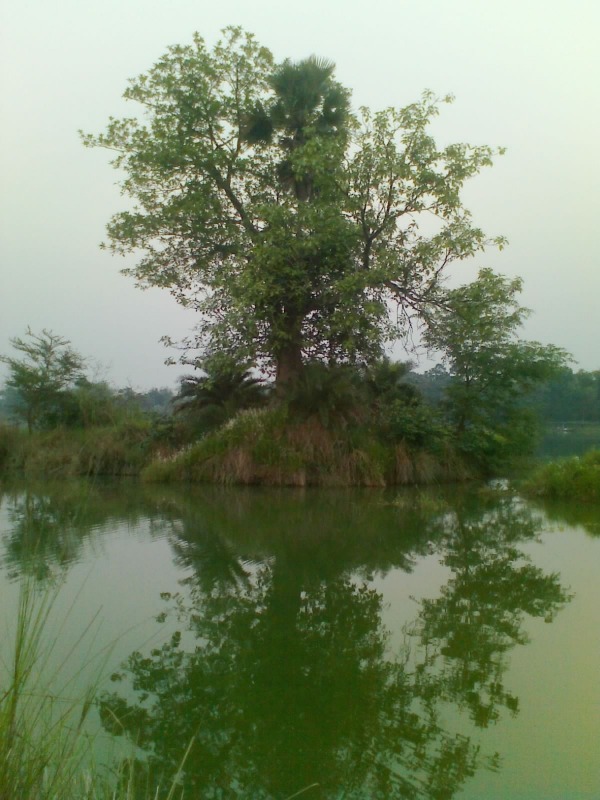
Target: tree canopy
{"points": [[39, 380], [492, 369], [296, 227]]}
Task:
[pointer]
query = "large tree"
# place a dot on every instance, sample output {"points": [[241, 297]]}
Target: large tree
{"points": [[296, 228]]}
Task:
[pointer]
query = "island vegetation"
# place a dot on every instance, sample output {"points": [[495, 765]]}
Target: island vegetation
{"points": [[310, 238]]}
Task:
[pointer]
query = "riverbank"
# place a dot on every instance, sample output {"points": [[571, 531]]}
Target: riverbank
{"points": [[256, 447], [70, 453]]}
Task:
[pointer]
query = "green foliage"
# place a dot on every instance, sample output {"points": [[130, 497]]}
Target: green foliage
{"points": [[67, 453], [432, 384], [41, 379], [416, 423], [290, 223], [570, 397], [575, 479], [386, 380], [492, 370], [48, 389], [209, 400], [332, 394], [398, 411], [275, 446]]}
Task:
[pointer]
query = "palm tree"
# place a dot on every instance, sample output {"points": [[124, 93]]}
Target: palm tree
{"points": [[225, 388], [307, 103]]}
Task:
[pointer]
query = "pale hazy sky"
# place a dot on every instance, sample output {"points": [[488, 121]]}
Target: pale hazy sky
{"points": [[525, 73]]}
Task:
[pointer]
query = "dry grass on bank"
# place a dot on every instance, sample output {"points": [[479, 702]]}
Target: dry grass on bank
{"points": [[261, 447]]}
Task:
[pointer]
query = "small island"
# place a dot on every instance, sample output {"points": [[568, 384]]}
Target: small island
{"points": [[312, 240]]}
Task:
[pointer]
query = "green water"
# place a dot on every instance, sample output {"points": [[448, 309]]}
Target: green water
{"points": [[356, 644]]}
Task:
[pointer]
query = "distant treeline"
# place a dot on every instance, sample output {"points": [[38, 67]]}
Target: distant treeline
{"points": [[571, 396], [89, 404]]}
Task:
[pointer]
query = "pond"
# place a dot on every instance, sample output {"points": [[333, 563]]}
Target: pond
{"points": [[351, 644]]}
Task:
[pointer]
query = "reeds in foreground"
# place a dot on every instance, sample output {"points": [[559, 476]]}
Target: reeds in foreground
{"points": [[46, 748], [43, 740]]}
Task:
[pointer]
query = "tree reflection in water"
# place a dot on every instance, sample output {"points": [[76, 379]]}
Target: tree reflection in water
{"points": [[49, 523], [281, 668], [466, 632]]}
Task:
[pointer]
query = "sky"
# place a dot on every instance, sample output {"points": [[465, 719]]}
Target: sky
{"points": [[525, 75]]}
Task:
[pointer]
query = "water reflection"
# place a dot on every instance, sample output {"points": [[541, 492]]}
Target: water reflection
{"points": [[48, 524], [466, 632], [281, 669], [564, 514]]}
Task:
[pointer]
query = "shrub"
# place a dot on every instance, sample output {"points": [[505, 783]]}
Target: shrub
{"points": [[334, 395], [416, 424], [573, 478]]}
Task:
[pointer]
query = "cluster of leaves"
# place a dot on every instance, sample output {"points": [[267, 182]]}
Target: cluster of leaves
{"points": [[42, 378], [491, 369], [223, 388]]}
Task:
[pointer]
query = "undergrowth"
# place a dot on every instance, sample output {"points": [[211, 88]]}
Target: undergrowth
{"points": [[67, 453], [576, 478], [269, 447]]}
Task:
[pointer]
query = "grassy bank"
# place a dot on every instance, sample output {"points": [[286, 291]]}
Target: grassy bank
{"points": [[575, 479], [269, 446], [68, 453], [265, 447]]}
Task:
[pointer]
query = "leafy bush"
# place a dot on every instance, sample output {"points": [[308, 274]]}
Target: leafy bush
{"points": [[497, 445], [573, 478], [417, 424], [226, 387]]}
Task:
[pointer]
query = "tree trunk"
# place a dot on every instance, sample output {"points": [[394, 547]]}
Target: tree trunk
{"points": [[289, 366], [288, 356]]}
